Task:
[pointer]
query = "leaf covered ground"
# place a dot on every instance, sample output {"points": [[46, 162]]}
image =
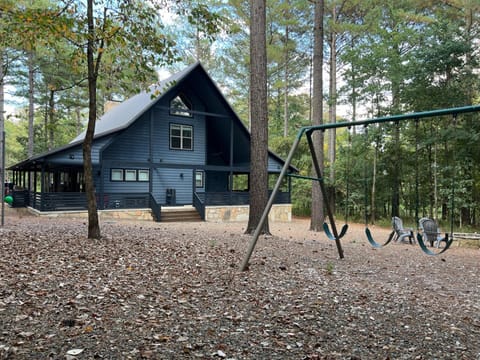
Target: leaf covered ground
{"points": [[174, 291]]}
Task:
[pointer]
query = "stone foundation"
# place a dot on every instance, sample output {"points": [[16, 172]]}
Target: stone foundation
{"points": [[239, 213], [133, 214]]}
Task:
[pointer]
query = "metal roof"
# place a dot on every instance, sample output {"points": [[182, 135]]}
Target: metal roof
{"points": [[125, 113]]}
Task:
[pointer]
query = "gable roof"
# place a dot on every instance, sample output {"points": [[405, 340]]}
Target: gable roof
{"points": [[124, 114]]}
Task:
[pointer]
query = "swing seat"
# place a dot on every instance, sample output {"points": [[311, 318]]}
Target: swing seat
{"points": [[402, 233], [329, 234], [430, 232]]}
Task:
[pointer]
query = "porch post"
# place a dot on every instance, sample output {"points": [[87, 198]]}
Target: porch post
{"points": [[150, 153], [101, 200], [56, 181], [34, 200], [29, 194], [194, 183], [42, 180], [289, 189]]}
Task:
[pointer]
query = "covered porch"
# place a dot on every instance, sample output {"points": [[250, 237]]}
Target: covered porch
{"points": [[61, 189]]}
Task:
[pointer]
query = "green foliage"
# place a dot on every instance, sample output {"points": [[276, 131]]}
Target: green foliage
{"points": [[330, 268], [16, 151], [301, 189], [393, 57]]}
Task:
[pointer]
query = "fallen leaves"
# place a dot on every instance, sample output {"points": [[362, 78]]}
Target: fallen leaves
{"points": [[174, 291]]}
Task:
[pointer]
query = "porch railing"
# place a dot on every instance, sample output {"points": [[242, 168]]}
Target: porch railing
{"points": [[198, 204], [236, 198], [58, 201], [21, 198], [156, 208], [123, 201], [68, 201]]}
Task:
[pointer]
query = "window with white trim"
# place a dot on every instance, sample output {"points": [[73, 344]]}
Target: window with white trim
{"points": [[116, 175], [181, 137], [199, 179], [143, 175], [130, 175]]}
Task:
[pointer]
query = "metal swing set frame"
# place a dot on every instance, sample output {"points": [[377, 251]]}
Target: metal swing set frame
{"points": [[308, 132]]}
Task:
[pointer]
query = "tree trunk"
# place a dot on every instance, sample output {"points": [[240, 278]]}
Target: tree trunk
{"points": [[2, 129], [332, 110], [198, 46], [373, 190], [78, 123], [285, 99], [354, 95], [317, 212], [51, 115], [259, 116], [2, 98], [31, 109], [396, 173], [93, 224]]}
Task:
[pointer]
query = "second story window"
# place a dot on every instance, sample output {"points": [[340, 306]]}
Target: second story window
{"points": [[181, 137]]}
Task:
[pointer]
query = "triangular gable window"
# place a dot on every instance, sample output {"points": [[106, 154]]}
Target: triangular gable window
{"points": [[181, 106]]}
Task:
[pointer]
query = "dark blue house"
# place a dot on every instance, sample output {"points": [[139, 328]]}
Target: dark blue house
{"points": [[180, 143]]}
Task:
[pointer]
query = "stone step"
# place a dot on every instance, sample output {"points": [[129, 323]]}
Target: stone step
{"points": [[180, 215]]}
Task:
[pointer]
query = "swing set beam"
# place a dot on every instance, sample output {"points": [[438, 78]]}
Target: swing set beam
{"points": [[308, 131], [392, 118]]}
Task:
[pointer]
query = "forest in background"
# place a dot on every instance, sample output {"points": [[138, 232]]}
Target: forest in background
{"points": [[381, 58]]}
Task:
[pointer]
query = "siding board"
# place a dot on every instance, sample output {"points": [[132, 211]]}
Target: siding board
{"points": [[274, 165], [167, 178], [161, 150], [74, 156], [132, 144]]}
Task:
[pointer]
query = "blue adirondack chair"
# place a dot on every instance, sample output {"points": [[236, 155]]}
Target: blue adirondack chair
{"points": [[431, 232]]}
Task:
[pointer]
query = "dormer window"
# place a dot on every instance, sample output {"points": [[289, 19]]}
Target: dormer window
{"points": [[181, 106]]}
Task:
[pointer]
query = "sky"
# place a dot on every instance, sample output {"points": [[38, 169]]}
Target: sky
{"points": [[11, 103]]}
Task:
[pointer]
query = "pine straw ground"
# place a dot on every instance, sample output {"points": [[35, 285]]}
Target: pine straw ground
{"points": [[173, 291]]}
